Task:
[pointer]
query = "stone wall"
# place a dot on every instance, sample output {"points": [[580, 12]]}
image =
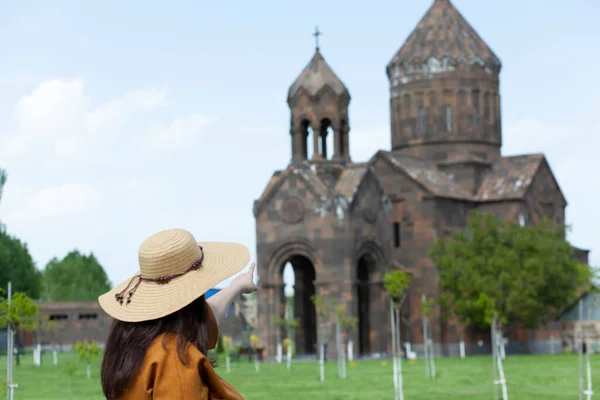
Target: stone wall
{"points": [[76, 321]]}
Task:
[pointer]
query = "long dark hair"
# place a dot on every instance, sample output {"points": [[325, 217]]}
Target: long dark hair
{"points": [[128, 342]]}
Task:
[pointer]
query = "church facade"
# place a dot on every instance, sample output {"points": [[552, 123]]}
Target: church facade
{"points": [[342, 225]]}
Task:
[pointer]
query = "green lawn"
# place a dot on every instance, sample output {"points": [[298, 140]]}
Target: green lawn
{"points": [[529, 378]]}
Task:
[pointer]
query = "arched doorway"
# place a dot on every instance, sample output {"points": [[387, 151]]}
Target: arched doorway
{"points": [[365, 268], [299, 279]]}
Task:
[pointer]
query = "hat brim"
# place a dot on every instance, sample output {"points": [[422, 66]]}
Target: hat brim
{"points": [[151, 300]]}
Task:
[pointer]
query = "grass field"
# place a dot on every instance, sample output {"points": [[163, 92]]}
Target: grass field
{"points": [[529, 378]]}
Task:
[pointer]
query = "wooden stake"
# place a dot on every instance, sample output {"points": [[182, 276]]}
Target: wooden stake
{"points": [[279, 356], [350, 347], [431, 358], [10, 339], [394, 359], [322, 364], [338, 345], [343, 363], [588, 392], [399, 353], [499, 378], [494, 356], [579, 344]]}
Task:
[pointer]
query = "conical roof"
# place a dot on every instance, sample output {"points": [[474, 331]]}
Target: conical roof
{"points": [[444, 34], [316, 76]]}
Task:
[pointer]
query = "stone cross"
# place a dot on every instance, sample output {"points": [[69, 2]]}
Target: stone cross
{"points": [[316, 35]]}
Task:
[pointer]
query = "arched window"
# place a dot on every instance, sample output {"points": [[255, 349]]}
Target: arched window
{"points": [[307, 147], [486, 107], [463, 112], [448, 118], [421, 121], [476, 110], [326, 141], [432, 118]]}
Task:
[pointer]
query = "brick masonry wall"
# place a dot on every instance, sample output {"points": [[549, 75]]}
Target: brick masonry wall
{"points": [[76, 321], [467, 92]]}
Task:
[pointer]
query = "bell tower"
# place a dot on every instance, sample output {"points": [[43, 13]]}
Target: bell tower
{"points": [[318, 102], [444, 89]]}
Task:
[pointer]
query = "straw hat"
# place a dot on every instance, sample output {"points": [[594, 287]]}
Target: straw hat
{"points": [[174, 271]]}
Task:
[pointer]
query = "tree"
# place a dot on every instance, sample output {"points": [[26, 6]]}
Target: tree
{"points": [[396, 284], [519, 275], [289, 325], [21, 314], [17, 312], [347, 322], [427, 309], [227, 344], [70, 369], [254, 345], [17, 266], [2, 181], [88, 352], [343, 321], [76, 277], [51, 327]]}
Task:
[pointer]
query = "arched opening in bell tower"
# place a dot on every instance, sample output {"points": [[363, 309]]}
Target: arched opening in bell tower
{"points": [[298, 275], [326, 147], [307, 139], [365, 268]]}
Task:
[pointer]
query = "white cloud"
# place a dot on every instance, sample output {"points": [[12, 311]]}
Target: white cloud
{"points": [[58, 203], [181, 132], [57, 122], [77, 175], [51, 109]]}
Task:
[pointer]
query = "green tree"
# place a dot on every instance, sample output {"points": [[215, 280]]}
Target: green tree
{"points": [[21, 314], [49, 326], [88, 352], [76, 277], [17, 266], [347, 322], [522, 275], [287, 323], [2, 181], [396, 284], [70, 369]]}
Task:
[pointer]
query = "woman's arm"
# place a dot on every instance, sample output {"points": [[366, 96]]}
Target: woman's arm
{"points": [[221, 301]]}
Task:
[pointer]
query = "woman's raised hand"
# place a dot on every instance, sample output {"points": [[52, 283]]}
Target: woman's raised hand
{"points": [[245, 282]]}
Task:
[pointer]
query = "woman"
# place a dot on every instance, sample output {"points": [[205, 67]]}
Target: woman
{"points": [[163, 326]]}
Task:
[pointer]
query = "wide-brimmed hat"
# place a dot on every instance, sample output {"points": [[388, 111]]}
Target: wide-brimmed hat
{"points": [[175, 270]]}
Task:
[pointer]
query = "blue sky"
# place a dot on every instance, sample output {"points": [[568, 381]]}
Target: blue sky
{"points": [[118, 120]]}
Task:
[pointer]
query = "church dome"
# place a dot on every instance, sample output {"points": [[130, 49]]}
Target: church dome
{"points": [[442, 41], [444, 88], [315, 77]]}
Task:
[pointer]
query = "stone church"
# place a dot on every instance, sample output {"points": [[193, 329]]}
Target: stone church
{"points": [[342, 225]]}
